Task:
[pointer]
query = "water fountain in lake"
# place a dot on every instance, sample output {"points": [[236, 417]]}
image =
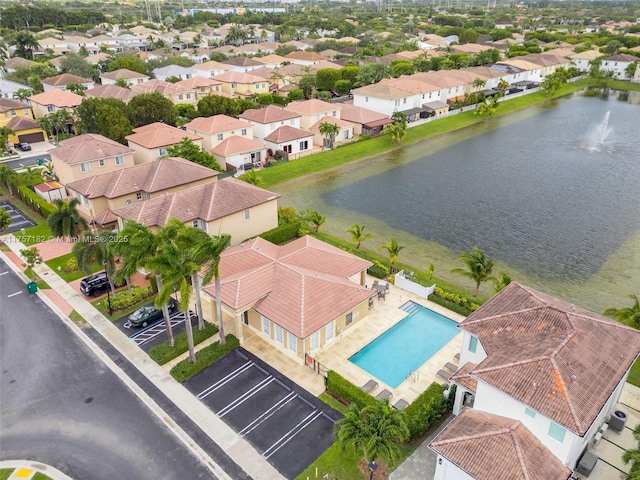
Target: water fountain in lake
{"points": [[597, 138]]}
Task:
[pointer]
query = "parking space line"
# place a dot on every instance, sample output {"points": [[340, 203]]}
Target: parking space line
{"points": [[14, 294], [144, 336], [3, 273], [267, 414], [287, 437], [212, 388], [245, 396]]}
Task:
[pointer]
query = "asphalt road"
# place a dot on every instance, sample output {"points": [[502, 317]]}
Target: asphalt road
{"points": [[62, 406], [28, 160]]}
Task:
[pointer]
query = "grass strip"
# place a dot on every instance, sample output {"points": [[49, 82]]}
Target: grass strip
{"points": [[58, 265], [163, 353], [184, 370]]}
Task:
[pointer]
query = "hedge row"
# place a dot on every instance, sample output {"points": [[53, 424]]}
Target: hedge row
{"points": [[376, 271], [283, 233], [453, 301], [347, 391], [184, 370], [124, 299], [163, 353], [38, 204], [425, 410]]}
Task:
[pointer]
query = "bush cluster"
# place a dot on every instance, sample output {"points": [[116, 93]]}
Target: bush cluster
{"points": [[124, 299], [34, 201], [453, 301], [163, 353], [71, 265], [282, 233], [347, 391], [377, 271], [425, 410], [184, 370]]}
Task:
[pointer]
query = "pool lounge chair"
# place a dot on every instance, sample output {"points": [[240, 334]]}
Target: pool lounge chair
{"points": [[400, 404], [370, 385], [451, 366], [444, 374], [384, 394]]}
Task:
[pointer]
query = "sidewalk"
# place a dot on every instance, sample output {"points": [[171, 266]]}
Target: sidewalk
{"points": [[239, 450]]}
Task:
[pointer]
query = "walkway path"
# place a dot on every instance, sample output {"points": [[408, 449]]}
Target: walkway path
{"points": [[114, 347]]}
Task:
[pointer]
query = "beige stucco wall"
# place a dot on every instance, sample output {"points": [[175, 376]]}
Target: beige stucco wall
{"points": [[69, 173], [210, 140], [263, 218]]}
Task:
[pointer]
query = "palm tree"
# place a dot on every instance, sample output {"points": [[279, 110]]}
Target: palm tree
{"points": [[376, 429], [478, 83], [628, 315], [140, 246], [503, 281], [633, 456], [25, 44], [253, 178], [503, 85], [9, 177], [329, 131], [46, 124], [66, 221], [92, 248], [396, 131], [22, 94], [478, 267], [31, 176], [236, 35], [208, 254], [4, 137], [358, 235], [393, 249], [315, 218]]}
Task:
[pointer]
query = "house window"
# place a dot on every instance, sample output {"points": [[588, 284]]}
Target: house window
{"points": [[51, 108], [162, 151], [101, 162], [349, 318], [221, 136], [245, 317], [234, 85], [195, 223], [13, 113], [246, 215], [188, 96], [334, 113], [287, 148], [293, 342], [316, 118], [473, 344], [292, 122], [330, 330], [345, 134], [85, 167], [366, 99], [119, 159], [404, 101], [244, 132], [279, 337], [266, 326], [530, 413], [272, 126], [26, 112], [396, 103], [304, 145], [315, 340], [556, 432], [139, 196]]}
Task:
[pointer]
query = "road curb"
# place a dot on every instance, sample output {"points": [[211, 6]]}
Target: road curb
{"points": [[48, 470]]}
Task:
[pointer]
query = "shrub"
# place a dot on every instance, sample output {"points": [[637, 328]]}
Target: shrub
{"points": [[154, 283], [163, 353], [347, 391], [34, 201], [71, 265], [424, 410], [184, 370], [124, 299], [453, 301], [282, 233], [377, 271]]}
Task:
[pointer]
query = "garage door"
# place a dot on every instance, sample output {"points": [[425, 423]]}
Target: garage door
{"points": [[31, 138]]}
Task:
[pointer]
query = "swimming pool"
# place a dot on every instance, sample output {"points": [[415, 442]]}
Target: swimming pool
{"points": [[406, 346]]}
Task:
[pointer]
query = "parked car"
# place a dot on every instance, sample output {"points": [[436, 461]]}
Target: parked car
{"points": [[25, 147], [96, 285], [149, 314]]}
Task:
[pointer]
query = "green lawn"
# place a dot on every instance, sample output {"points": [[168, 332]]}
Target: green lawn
{"points": [[333, 403], [41, 476], [163, 353], [76, 317], [5, 472], [60, 262], [337, 463], [39, 233]]}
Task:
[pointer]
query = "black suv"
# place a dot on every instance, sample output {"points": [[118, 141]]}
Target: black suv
{"points": [[95, 285]]}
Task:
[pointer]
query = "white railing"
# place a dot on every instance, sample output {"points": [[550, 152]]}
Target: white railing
{"points": [[406, 282]]}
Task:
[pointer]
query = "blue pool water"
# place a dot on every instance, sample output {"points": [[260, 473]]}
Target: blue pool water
{"points": [[406, 346]]}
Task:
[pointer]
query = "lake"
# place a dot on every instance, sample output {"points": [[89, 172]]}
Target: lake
{"points": [[534, 190]]}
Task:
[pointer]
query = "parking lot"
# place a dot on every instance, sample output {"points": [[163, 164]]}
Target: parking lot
{"points": [[285, 423], [18, 219], [156, 333]]}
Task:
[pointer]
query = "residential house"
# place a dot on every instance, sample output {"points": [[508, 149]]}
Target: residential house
{"points": [[101, 194], [8, 88], [150, 142], [52, 101], [228, 206], [298, 297], [365, 121], [197, 55], [218, 128], [305, 59], [60, 82], [242, 84], [266, 120], [243, 64], [130, 42], [85, 155], [110, 91], [172, 91], [169, 71], [12, 64], [50, 191], [18, 116], [110, 78], [293, 141], [271, 61], [51, 44], [210, 69], [311, 111], [582, 61], [202, 86], [382, 98], [239, 154], [618, 64], [547, 369]]}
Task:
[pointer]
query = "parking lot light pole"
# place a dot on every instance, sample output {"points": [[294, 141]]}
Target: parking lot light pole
{"points": [[372, 468], [108, 289]]}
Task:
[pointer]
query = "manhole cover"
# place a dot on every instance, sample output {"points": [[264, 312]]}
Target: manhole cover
{"points": [[88, 400]]}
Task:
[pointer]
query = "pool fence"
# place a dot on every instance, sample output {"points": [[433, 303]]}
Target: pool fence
{"points": [[405, 281]]}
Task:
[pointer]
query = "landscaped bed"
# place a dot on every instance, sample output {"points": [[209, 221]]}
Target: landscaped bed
{"points": [[184, 370], [163, 353]]}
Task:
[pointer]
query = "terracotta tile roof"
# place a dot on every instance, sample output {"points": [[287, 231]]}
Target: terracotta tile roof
{"points": [[106, 217], [151, 177], [306, 56], [216, 124], [312, 106], [8, 104], [211, 66], [236, 144], [462, 377], [269, 114], [110, 91], [379, 90], [333, 120], [207, 202], [490, 447], [164, 88], [238, 77], [272, 58], [123, 73], [301, 286], [263, 72], [65, 79], [57, 98], [413, 85], [18, 62], [354, 114], [197, 82], [87, 147], [287, 133], [559, 359], [22, 123], [242, 62], [325, 64], [158, 134]]}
